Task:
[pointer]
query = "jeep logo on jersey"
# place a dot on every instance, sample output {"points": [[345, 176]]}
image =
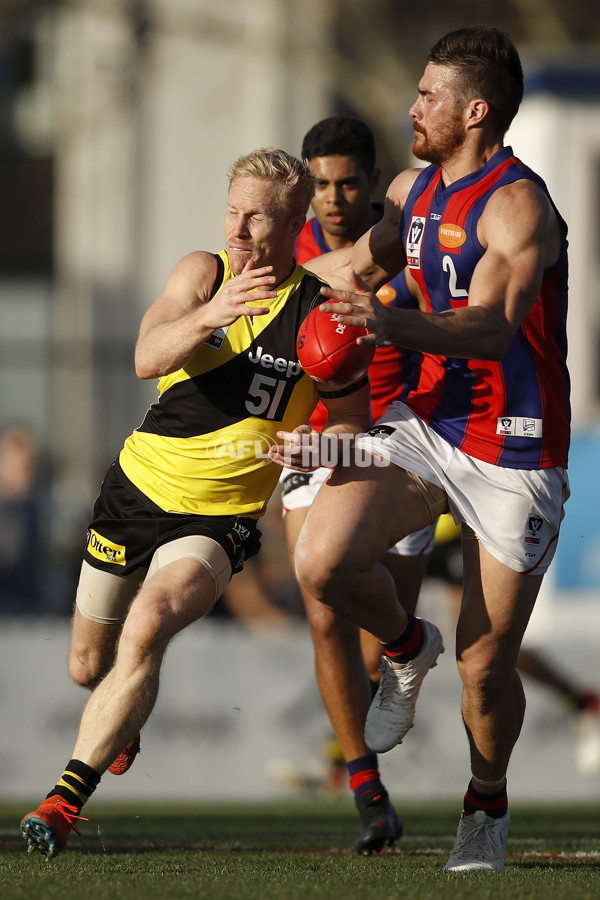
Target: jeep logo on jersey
{"points": [[287, 367], [451, 236]]}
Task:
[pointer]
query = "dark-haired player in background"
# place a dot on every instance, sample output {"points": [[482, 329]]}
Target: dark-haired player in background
{"points": [[341, 153]]}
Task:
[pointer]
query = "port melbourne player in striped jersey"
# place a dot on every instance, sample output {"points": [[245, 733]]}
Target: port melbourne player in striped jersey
{"points": [[483, 434]]}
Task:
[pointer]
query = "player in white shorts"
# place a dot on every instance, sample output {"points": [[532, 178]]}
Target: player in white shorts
{"points": [[484, 241], [299, 489], [515, 513]]}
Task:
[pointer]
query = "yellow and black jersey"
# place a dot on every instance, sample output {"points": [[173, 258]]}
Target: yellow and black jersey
{"points": [[202, 447]]}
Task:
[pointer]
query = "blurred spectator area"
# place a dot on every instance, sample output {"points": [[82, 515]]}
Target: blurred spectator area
{"points": [[26, 188], [26, 145]]}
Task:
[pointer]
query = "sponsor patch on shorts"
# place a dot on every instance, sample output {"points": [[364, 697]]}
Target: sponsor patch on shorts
{"points": [[103, 549]]}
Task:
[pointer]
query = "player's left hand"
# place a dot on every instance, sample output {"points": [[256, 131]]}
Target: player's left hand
{"points": [[301, 449], [359, 307]]}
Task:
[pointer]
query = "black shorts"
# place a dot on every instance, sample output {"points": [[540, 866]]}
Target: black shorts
{"points": [[128, 527]]}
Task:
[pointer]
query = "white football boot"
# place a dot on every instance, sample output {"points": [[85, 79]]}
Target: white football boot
{"points": [[480, 843], [392, 711]]}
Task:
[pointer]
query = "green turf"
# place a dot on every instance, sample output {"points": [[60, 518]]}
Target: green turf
{"points": [[285, 851]]}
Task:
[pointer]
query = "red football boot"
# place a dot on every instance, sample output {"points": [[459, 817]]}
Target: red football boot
{"points": [[124, 760], [47, 828]]}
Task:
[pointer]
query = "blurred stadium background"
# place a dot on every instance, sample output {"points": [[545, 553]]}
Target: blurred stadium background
{"points": [[118, 120]]}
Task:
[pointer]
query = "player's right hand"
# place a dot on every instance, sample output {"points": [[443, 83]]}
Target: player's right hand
{"points": [[236, 296]]}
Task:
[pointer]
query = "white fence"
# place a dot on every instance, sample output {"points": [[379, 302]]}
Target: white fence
{"points": [[237, 710]]}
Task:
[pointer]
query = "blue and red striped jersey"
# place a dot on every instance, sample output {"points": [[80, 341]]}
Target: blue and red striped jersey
{"points": [[514, 412]]}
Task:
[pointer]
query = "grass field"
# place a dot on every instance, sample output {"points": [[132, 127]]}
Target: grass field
{"points": [[283, 851]]}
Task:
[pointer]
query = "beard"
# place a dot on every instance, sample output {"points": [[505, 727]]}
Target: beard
{"points": [[439, 147]]}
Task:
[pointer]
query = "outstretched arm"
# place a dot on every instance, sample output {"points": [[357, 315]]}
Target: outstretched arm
{"points": [[378, 255], [521, 233]]}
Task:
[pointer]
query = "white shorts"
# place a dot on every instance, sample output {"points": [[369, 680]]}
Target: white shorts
{"points": [[515, 513], [299, 489]]}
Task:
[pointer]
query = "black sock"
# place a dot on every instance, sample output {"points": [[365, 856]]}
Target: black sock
{"points": [[77, 783]]}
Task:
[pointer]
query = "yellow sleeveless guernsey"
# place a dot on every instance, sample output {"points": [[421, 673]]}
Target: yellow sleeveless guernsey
{"points": [[201, 448]]}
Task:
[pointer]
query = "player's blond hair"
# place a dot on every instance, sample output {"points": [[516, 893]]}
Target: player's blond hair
{"points": [[293, 177]]}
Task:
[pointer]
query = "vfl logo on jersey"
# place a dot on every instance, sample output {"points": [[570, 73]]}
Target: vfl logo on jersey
{"points": [[534, 527], [103, 549], [519, 426], [414, 241], [217, 338], [451, 236]]}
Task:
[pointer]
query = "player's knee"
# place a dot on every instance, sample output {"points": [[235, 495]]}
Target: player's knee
{"points": [[327, 572], [485, 676], [313, 571], [87, 668], [324, 624], [146, 633]]}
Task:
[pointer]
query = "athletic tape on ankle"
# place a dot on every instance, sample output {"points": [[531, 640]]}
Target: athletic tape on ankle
{"points": [[491, 784]]}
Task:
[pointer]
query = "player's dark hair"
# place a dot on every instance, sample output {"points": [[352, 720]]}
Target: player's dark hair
{"points": [[488, 66], [341, 136]]}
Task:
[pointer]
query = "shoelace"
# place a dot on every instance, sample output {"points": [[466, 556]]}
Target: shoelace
{"points": [[479, 841], [70, 813], [388, 686]]}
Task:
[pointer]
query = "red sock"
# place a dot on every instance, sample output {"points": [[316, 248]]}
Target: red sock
{"points": [[364, 774], [409, 644], [493, 805]]}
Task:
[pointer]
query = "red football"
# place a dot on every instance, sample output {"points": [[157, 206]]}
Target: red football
{"points": [[327, 349]]}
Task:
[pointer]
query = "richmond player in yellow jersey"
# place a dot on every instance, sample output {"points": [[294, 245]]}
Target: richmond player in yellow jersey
{"points": [[177, 513]]}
